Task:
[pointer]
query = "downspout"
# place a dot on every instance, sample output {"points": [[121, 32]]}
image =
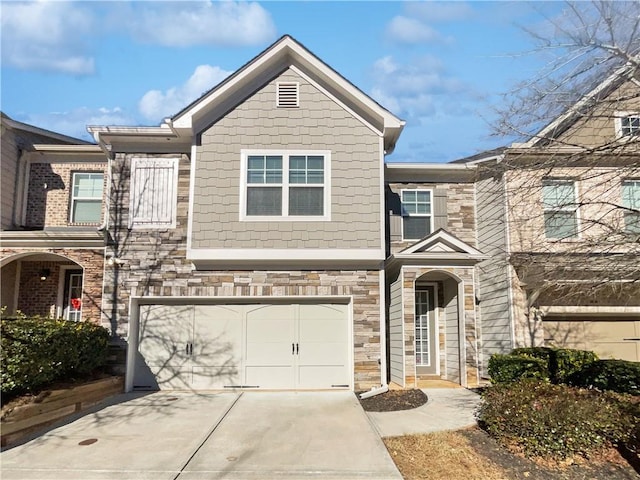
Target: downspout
{"points": [[384, 387]]}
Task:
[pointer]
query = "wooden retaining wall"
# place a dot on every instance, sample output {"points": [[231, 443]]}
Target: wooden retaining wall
{"points": [[54, 405]]}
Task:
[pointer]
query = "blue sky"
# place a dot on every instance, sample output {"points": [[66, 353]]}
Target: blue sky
{"points": [[439, 65]]}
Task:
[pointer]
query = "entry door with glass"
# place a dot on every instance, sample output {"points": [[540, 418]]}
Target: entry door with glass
{"points": [[425, 329], [73, 295]]}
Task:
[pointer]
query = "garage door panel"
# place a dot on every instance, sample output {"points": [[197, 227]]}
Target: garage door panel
{"points": [[217, 340], [276, 377], [215, 377], [608, 338], [165, 331], [173, 377], [313, 376], [325, 353]]}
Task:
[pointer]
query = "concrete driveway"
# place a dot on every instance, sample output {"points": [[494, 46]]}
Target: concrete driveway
{"points": [[169, 435]]}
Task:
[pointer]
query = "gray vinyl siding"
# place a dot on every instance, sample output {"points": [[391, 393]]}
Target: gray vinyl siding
{"points": [[452, 348], [396, 340], [492, 274], [318, 124], [9, 171]]}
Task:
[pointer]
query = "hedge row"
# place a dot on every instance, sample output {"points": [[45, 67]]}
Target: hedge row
{"points": [[38, 351], [579, 368], [558, 421]]}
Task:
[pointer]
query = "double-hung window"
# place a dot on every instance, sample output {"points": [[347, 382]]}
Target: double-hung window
{"points": [[631, 204], [627, 124], [560, 209], [288, 185], [86, 197], [416, 214], [154, 192]]}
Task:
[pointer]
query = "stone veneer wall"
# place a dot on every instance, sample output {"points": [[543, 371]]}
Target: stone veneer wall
{"points": [[471, 335], [154, 263], [49, 197], [39, 297]]}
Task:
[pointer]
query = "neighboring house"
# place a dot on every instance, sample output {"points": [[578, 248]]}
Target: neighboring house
{"points": [[51, 248], [559, 217]]}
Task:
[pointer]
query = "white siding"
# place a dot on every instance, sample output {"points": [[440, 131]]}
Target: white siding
{"points": [[396, 339], [154, 188]]}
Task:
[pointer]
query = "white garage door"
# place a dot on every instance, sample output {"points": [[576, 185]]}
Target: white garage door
{"points": [[301, 346], [608, 337]]}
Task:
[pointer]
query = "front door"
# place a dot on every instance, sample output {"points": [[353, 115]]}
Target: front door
{"points": [[73, 295], [426, 361]]}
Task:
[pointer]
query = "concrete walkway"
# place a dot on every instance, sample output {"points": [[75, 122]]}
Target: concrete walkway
{"points": [[447, 409]]}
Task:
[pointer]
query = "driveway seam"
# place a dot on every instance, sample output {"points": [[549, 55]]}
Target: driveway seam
{"points": [[206, 438]]}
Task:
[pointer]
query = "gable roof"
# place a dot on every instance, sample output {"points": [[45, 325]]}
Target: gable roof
{"points": [[573, 113], [283, 54], [440, 247], [52, 137]]}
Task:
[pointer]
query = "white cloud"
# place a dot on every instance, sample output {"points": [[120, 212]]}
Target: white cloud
{"points": [[74, 122], [181, 24], [155, 104], [417, 88], [409, 30], [47, 36]]}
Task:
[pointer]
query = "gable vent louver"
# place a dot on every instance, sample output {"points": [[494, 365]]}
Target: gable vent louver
{"points": [[287, 95]]}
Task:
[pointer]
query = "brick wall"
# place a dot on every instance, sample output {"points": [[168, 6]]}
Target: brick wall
{"points": [[39, 297], [49, 197]]}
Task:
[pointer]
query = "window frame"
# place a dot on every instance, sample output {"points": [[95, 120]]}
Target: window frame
{"points": [[619, 116], [73, 198], [430, 215], [625, 207], [572, 208], [137, 225], [285, 185]]}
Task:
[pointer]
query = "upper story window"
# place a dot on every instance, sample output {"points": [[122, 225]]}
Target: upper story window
{"points": [[631, 200], [290, 185], [627, 124], [417, 214], [86, 197], [154, 192], [560, 209]]}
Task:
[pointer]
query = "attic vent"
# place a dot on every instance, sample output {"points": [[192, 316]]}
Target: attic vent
{"points": [[288, 96]]}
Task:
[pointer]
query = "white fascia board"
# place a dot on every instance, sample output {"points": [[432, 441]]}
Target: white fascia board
{"points": [[69, 149], [440, 256], [286, 254], [442, 236]]}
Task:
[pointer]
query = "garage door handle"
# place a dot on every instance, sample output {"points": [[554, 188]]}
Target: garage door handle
{"points": [[297, 348], [632, 339], [293, 349]]}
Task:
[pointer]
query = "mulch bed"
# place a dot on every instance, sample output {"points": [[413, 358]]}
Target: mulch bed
{"points": [[609, 465], [393, 400]]}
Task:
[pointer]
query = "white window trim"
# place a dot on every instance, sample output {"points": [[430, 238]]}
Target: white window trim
{"points": [[618, 122], [174, 201], [575, 210], [431, 215], [285, 217], [626, 180], [72, 220]]}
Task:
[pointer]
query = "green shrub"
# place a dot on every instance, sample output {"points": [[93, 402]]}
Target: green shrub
{"points": [[556, 421], [561, 362], [509, 368], [38, 351], [617, 375]]}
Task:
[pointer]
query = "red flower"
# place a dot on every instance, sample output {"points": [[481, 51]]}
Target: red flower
{"points": [[76, 303]]}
